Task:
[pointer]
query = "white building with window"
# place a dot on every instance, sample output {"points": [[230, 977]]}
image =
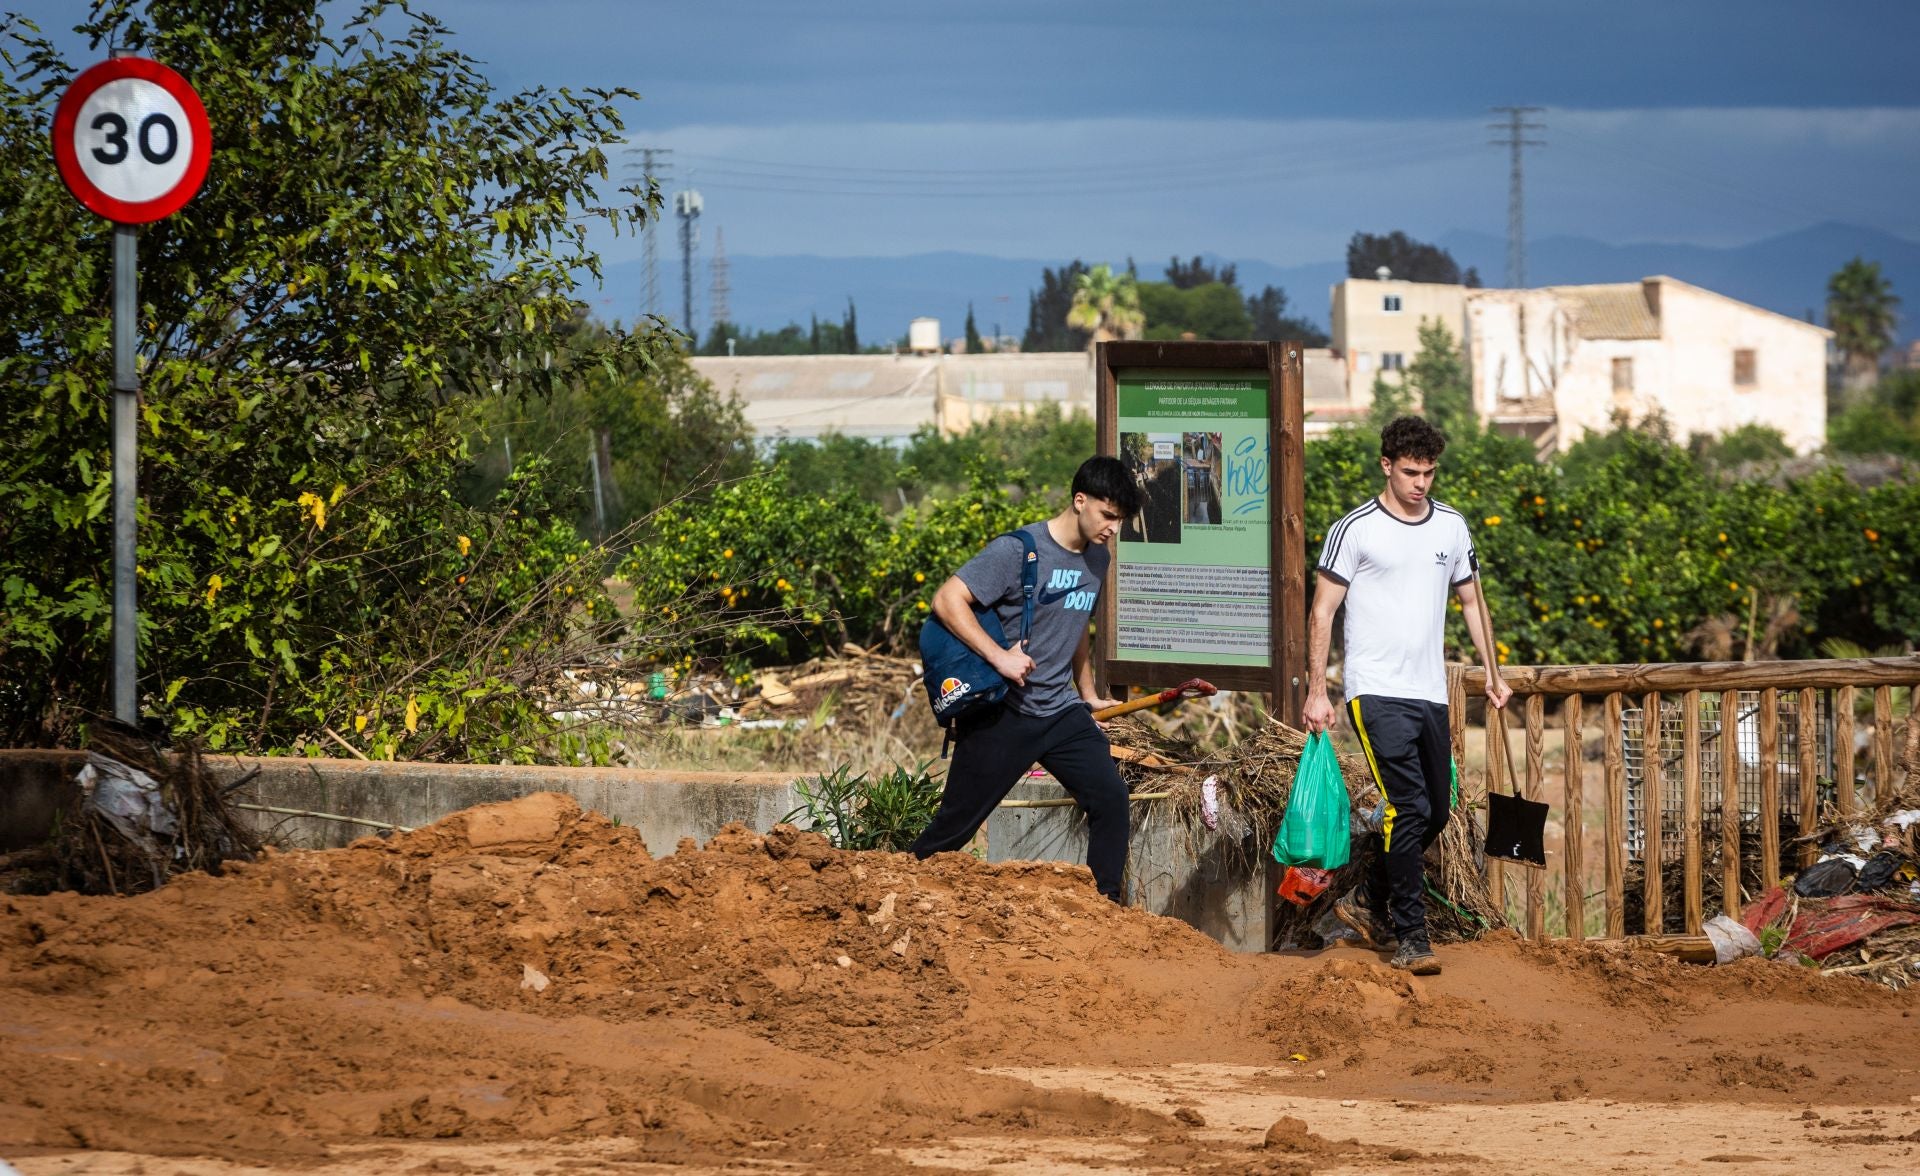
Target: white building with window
{"points": [[1560, 362]]}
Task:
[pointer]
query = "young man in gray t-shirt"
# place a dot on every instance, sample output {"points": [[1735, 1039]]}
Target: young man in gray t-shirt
{"points": [[1046, 716]]}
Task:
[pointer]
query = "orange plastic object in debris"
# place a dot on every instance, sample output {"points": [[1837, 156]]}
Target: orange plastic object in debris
{"points": [[1300, 885]]}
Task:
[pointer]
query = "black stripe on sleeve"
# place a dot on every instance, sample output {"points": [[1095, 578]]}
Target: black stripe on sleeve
{"points": [[1340, 528], [1330, 574]]}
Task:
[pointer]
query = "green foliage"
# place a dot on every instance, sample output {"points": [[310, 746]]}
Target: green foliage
{"points": [[854, 812], [1042, 448], [1106, 305], [382, 240], [654, 429], [784, 576], [1437, 380], [1860, 302], [1885, 420], [1047, 310], [975, 345], [1620, 550], [1410, 260], [1267, 313], [1210, 311], [1748, 444]]}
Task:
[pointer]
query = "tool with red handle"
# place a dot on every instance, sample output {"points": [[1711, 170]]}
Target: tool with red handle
{"points": [[1191, 688]]}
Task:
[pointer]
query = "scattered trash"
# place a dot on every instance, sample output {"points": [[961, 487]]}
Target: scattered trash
{"points": [[1879, 870], [1826, 878], [1300, 885], [129, 799], [1731, 941]]}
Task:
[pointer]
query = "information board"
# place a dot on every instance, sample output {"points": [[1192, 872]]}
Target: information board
{"points": [[1192, 568], [1209, 580]]}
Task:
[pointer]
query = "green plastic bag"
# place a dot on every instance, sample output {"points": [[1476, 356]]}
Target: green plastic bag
{"points": [[1314, 831]]}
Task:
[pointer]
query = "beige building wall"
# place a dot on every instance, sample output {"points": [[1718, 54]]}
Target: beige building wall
{"points": [[1783, 384], [1558, 363], [1373, 320]]}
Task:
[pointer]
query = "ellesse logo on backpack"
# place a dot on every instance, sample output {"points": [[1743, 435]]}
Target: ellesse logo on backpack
{"points": [[951, 690]]}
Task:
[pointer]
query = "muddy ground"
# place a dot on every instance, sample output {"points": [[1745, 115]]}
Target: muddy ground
{"points": [[523, 988]]}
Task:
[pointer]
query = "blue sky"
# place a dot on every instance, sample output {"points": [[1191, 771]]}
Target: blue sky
{"points": [[1254, 130]]}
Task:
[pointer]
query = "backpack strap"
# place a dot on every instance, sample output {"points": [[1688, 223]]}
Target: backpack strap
{"points": [[1029, 582]]}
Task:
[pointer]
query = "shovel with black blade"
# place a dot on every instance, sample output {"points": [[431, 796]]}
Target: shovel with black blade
{"points": [[1516, 827]]}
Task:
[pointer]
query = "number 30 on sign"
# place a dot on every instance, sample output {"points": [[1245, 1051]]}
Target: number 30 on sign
{"points": [[132, 140]]}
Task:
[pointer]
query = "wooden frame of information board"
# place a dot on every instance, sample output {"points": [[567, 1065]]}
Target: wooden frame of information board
{"points": [[1284, 677]]}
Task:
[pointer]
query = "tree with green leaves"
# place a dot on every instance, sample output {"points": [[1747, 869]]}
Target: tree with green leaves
{"points": [[1106, 305], [382, 242], [975, 345], [653, 431], [1212, 310], [1860, 310], [1268, 319], [1437, 380], [1048, 308], [1408, 259], [1186, 275]]}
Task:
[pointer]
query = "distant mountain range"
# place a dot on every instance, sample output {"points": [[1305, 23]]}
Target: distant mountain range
{"points": [[1787, 274]]}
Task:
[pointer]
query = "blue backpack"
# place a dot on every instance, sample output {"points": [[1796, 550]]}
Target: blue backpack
{"points": [[958, 680]]}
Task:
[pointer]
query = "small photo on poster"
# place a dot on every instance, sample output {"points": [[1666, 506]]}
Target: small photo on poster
{"points": [[1154, 461], [1200, 460]]}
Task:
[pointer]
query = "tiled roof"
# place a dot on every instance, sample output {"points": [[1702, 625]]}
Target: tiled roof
{"points": [[1617, 311]]}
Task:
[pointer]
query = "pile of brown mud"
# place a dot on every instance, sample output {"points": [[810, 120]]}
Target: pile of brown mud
{"points": [[528, 971]]}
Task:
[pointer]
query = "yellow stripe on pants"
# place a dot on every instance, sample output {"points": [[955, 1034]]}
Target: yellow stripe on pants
{"points": [[1366, 745]]}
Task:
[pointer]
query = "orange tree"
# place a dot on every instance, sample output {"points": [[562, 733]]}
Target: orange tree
{"points": [[383, 240]]}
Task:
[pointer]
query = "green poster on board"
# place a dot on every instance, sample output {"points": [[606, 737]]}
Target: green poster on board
{"points": [[1192, 571]]}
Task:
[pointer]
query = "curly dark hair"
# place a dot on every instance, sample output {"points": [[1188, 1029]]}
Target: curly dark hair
{"points": [[1411, 436], [1108, 478]]}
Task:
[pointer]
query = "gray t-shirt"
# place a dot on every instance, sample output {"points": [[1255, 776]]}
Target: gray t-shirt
{"points": [[1068, 585]]}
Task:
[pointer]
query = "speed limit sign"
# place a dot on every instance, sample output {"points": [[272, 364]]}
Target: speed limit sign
{"points": [[132, 140]]}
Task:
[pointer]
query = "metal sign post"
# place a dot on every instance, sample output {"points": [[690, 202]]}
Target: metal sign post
{"points": [[126, 469], [132, 143]]}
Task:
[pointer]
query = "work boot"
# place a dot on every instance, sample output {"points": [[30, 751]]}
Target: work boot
{"points": [[1374, 931], [1416, 957]]}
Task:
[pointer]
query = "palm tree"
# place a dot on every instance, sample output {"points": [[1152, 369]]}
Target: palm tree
{"points": [[1107, 305], [1860, 304]]}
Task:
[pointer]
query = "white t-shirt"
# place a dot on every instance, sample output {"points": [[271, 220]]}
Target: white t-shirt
{"points": [[1398, 575]]}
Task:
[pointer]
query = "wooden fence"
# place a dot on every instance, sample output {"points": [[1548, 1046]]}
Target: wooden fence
{"points": [[1729, 728]]}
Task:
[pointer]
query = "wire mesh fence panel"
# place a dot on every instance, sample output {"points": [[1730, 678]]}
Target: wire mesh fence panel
{"points": [[1665, 796]]}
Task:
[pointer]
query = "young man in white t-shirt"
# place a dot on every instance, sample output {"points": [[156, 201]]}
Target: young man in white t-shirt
{"points": [[1392, 561]]}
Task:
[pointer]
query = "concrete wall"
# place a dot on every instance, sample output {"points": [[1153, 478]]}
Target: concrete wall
{"points": [[1167, 874], [662, 806]]}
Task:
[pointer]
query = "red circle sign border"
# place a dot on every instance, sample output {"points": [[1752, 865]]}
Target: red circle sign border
{"points": [[67, 157]]}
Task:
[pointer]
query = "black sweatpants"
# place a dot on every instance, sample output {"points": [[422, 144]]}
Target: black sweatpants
{"points": [[988, 758], [1410, 752]]}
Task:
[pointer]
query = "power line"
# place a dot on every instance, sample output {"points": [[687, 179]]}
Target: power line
{"points": [[1516, 128], [650, 238], [720, 303], [1124, 183]]}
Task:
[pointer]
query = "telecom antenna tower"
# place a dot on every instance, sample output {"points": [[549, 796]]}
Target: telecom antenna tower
{"points": [[1515, 128], [687, 206], [650, 237], [719, 298]]}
